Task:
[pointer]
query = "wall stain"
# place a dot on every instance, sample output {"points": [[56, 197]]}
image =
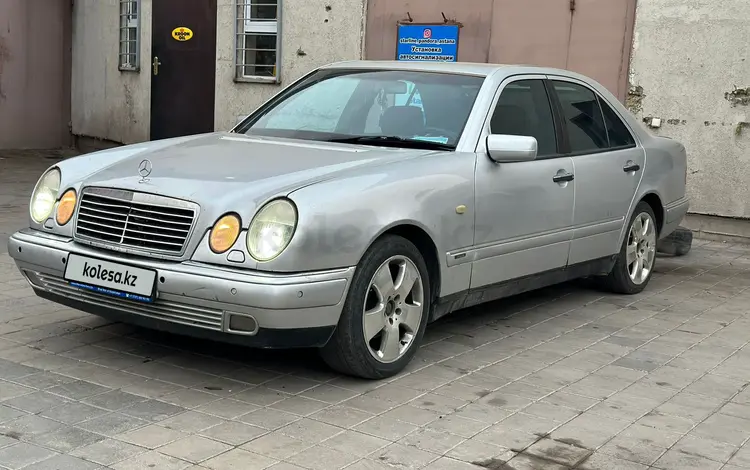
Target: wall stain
{"points": [[4, 58], [739, 96], [634, 100], [740, 127], [129, 103]]}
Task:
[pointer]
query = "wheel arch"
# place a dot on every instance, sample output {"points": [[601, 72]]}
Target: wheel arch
{"points": [[427, 248], [653, 200]]}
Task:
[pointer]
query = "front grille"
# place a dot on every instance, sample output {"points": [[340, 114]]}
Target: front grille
{"points": [[118, 218], [175, 312]]}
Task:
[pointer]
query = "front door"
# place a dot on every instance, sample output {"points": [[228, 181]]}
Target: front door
{"points": [[608, 169], [524, 210], [183, 67]]}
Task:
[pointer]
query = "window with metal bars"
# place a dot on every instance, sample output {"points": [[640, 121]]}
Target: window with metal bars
{"points": [[258, 41], [130, 35]]}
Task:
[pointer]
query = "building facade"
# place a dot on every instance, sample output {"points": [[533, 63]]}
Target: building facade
{"points": [[690, 69], [146, 69]]}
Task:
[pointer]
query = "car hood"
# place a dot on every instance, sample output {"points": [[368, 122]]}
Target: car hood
{"points": [[221, 170]]}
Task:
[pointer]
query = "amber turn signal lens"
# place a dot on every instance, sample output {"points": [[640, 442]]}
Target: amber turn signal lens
{"points": [[66, 207], [225, 232]]}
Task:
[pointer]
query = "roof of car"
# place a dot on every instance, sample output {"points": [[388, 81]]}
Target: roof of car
{"points": [[471, 68]]}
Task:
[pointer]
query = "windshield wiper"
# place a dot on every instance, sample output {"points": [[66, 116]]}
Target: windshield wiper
{"points": [[392, 141]]}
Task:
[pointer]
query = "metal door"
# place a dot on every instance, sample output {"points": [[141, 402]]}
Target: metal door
{"points": [[533, 32], [592, 37], [601, 40], [523, 210], [183, 67], [383, 16]]}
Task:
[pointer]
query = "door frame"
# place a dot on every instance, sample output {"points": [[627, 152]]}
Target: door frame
{"points": [[213, 4]]}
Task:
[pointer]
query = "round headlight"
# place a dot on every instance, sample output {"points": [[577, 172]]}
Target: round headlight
{"points": [[225, 233], [271, 230], [66, 207], [44, 196]]}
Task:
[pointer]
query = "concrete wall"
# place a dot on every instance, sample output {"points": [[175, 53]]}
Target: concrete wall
{"points": [[113, 105], [106, 103], [688, 57], [34, 73]]}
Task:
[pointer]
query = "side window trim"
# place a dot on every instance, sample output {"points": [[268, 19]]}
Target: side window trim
{"points": [[563, 143], [482, 143], [617, 116]]}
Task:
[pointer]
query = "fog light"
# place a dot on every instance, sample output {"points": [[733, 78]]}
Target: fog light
{"points": [[66, 207], [239, 323], [225, 232]]}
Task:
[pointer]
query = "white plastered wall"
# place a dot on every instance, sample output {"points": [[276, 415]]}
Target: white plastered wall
{"points": [[688, 57]]}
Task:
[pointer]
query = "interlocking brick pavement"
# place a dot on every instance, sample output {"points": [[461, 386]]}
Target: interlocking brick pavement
{"points": [[567, 377]]}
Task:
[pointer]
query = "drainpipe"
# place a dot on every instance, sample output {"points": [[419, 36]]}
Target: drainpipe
{"points": [[570, 30]]}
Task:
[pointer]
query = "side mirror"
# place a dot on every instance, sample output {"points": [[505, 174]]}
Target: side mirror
{"points": [[503, 148]]}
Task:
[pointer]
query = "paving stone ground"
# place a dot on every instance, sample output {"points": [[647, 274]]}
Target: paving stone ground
{"points": [[567, 377]]}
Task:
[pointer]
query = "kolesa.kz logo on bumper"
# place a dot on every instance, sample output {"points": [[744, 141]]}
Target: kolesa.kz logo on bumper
{"points": [[96, 272]]}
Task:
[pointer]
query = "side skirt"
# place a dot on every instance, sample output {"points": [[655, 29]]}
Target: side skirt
{"points": [[471, 297]]}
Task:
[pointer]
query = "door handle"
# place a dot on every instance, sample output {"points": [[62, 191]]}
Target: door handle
{"points": [[631, 166], [155, 64], [562, 177]]}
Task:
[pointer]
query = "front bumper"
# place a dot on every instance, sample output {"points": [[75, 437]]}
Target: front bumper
{"points": [[229, 305]]}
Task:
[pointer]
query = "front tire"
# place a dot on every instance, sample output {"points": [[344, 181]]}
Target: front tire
{"points": [[385, 313], [635, 263]]}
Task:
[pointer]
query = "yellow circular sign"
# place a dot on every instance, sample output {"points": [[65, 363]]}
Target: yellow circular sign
{"points": [[182, 33]]}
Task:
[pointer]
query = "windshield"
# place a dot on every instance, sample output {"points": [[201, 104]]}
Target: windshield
{"points": [[368, 106]]}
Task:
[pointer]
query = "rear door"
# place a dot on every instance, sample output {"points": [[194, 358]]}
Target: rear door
{"points": [[608, 168]]}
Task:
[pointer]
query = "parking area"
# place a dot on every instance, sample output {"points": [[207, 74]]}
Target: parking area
{"points": [[567, 377]]}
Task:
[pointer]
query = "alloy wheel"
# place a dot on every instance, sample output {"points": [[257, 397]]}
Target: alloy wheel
{"points": [[640, 251], [393, 309]]}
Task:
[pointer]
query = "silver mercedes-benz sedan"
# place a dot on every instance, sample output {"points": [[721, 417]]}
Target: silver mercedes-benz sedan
{"points": [[356, 206]]}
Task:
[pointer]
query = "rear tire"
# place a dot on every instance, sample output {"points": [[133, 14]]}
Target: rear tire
{"points": [[635, 263], [384, 318]]}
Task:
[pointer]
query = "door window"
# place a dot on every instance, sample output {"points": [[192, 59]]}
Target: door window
{"points": [[583, 118], [619, 135], [523, 109]]}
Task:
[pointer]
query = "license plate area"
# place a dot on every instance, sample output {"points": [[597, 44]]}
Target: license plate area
{"points": [[109, 278]]}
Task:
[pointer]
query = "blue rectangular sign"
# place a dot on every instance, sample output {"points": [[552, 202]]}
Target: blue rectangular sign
{"points": [[432, 43]]}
